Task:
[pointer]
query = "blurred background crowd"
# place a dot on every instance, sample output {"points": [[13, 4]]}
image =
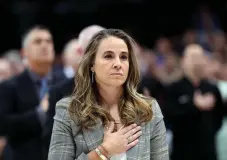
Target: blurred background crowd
{"points": [[161, 32]]}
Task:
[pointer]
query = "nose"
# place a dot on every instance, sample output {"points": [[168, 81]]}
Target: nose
{"points": [[44, 44], [117, 63]]}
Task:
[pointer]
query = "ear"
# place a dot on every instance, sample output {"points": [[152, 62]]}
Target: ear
{"points": [[23, 53], [79, 51]]}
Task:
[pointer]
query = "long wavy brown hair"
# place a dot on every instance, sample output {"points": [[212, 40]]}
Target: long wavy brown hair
{"points": [[85, 109]]}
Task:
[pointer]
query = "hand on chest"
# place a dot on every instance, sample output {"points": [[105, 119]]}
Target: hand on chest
{"points": [[204, 101]]}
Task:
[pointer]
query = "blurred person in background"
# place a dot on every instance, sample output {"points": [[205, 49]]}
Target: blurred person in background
{"points": [[170, 71], [214, 71], [15, 59], [71, 58], [61, 90], [194, 109], [5, 74], [188, 37], [149, 84], [23, 105], [6, 71], [219, 47], [163, 49], [146, 60]]}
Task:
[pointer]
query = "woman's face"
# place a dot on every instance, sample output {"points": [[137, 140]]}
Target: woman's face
{"points": [[111, 63]]}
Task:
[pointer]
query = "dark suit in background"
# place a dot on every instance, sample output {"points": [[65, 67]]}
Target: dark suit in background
{"points": [[153, 85], [193, 130], [20, 118]]}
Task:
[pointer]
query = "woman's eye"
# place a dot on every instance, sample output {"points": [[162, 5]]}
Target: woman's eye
{"points": [[108, 56], [124, 57]]}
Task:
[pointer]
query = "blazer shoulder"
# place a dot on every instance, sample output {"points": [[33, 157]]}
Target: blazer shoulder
{"points": [[62, 109], [157, 112], [64, 103], [157, 118], [9, 83], [15, 80]]}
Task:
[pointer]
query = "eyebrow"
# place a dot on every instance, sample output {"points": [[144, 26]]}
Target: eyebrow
{"points": [[122, 52]]}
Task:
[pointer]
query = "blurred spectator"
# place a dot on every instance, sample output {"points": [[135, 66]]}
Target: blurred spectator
{"points": [[5, 70], [214, 74], [86, 34], [71, 58], [22, 98], [219, 48], [190, 37], [170, 71], [163, 48], [14, 57], [147, 62], [193, 109]]}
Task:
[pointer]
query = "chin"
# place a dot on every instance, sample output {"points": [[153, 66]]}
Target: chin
{"points": [[46, 61], [117, 83]]}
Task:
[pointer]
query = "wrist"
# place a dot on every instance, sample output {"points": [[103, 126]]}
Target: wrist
{"points": [[104, 151], [100, 154], [105, 148]]}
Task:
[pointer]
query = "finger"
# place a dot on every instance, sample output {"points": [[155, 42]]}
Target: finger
{"points": [[132, 131], [198, 93], [134, 136], [110, 127], [132, 144], [127, 129]]}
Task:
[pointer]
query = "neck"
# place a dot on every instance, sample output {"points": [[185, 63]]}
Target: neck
{"points": [[192, 77], [109, 96], [41, 70]]}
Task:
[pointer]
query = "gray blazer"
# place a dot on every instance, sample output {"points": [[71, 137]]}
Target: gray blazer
{"points": [[69, 144]]}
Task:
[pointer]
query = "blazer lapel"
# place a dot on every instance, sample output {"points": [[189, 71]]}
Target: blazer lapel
{"points": [[94, 136]]}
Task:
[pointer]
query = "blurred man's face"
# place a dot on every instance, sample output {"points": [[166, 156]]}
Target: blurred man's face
{"points": [[5, 70], [189, 37], [163, 45], [39, 48], [72, 56], [195, 60]]}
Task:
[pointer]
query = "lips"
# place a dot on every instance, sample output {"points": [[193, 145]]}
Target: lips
{"points": [[117, 74]]}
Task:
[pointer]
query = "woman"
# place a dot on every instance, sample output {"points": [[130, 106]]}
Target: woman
{"points": [[106, 118]]}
